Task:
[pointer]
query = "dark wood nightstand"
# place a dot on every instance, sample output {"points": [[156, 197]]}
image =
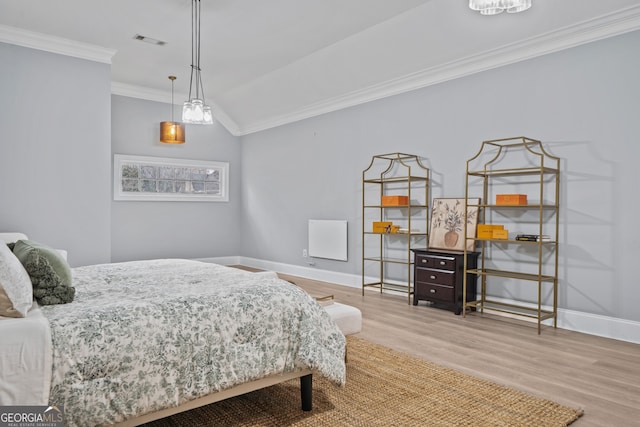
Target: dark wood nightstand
{"points": [[438, 278]]}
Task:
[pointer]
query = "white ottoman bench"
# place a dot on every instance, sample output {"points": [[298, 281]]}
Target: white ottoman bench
{"points": [[348, 318]]}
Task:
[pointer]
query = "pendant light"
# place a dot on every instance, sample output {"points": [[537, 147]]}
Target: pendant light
{"points": [[195, 110], [172, 132], [493, 7]]}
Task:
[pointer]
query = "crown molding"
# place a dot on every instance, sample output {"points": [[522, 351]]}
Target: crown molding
{"points": [[606, 26], [140, 92], [610, 25], [59, 45], [225, 120]]}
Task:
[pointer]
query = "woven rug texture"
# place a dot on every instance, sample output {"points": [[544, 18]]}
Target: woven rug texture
{"points": [[384, 388]]}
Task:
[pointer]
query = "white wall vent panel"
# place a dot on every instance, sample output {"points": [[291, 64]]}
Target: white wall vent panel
{"points": [[328, 239]]}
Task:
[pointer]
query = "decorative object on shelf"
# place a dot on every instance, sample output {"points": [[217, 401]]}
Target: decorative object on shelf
{"points": [[493, 7], [533, 238], [511, 199], [381, 226], [172, 132], [395, 200], [195, 110], [491, 231], [395, 210], [500, 234], [518, 163], [385, 227], [162, 179], [448, 224]]}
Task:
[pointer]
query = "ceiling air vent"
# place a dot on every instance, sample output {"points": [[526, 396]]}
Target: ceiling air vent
{"points": [[149, 40]]}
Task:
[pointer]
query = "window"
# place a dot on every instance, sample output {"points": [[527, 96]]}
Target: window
{"points": [[163, 179]]}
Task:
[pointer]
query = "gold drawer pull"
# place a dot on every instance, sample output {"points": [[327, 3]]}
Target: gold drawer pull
{"points": [[433, 291], [424, 260], [433, 277], [442, 263]]}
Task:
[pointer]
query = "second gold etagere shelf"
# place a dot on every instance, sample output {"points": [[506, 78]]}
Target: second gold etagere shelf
{"points": [[516, 164]]}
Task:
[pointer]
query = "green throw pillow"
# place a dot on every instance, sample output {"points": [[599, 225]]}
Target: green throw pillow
{"points": [[49, 272]]}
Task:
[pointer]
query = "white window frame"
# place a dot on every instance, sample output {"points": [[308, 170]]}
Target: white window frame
{"points": [[119, 160]]}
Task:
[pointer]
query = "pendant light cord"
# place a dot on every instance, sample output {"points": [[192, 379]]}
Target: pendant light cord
{"points": [[195, 50], [199, 35], [172, 108], [195, 110], [193, 29]]}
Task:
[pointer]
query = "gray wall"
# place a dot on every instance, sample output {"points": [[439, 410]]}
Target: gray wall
{"points": [[55, 164], [57, 115], [583, 103], [145, 230], [55, 146]]}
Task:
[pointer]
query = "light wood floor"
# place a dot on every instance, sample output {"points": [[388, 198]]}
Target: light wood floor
{"points": [[599, 375]]}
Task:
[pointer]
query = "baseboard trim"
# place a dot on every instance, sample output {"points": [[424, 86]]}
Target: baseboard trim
{"points": [[599, 325], [345, 279], [227, 260], [578, 321]]}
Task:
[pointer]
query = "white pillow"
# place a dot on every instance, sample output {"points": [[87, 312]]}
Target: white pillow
{"points": [[16, 291], [12, 237]]}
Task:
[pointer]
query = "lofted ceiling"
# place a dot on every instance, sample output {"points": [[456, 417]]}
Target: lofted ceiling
{"points": [[270, 62]]}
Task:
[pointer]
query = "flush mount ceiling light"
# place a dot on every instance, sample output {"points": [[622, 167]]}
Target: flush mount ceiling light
{"points": [[493, 7], [195, 110], [172, 132]]}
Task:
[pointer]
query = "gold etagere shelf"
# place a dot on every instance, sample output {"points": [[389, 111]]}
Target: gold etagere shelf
{"points": [[387, 260], [491, 168]]}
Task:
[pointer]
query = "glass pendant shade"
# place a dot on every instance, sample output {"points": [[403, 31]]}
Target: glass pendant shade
{"points": [[196, 111], [171, 133], [207, 115], [493, 7]]}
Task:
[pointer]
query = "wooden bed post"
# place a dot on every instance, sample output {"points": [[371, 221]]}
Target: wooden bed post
{"points": [[306, 391]]}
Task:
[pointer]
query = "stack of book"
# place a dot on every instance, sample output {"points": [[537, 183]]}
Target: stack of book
{"points": [[533, 237]]}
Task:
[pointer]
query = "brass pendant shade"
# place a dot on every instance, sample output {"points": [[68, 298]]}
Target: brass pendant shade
{"points": [[172, 132]]}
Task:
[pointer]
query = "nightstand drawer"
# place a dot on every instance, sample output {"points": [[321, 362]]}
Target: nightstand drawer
{"points": [[431, 261], [432, 275], [433, 292]]}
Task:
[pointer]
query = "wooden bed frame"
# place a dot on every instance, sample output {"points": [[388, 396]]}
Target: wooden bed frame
{"points": [[306, 383]]}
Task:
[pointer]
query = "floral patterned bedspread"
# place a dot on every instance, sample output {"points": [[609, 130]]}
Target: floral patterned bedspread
{"points": [[145, 335]]}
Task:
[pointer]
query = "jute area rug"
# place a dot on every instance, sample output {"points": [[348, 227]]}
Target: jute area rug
{"points": [[384, 388]]}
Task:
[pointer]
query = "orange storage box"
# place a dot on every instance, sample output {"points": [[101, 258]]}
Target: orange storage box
{"points": [[500, 234], [395, 200], [487, 234], [382, 226], [487, 231], [511, 199]]}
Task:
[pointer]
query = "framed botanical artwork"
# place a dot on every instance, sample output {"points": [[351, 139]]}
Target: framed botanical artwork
{"points": [[447, 224], [164, 179]]}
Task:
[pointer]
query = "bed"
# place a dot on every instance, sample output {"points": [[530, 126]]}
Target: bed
{"points": [[145, 339]]}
